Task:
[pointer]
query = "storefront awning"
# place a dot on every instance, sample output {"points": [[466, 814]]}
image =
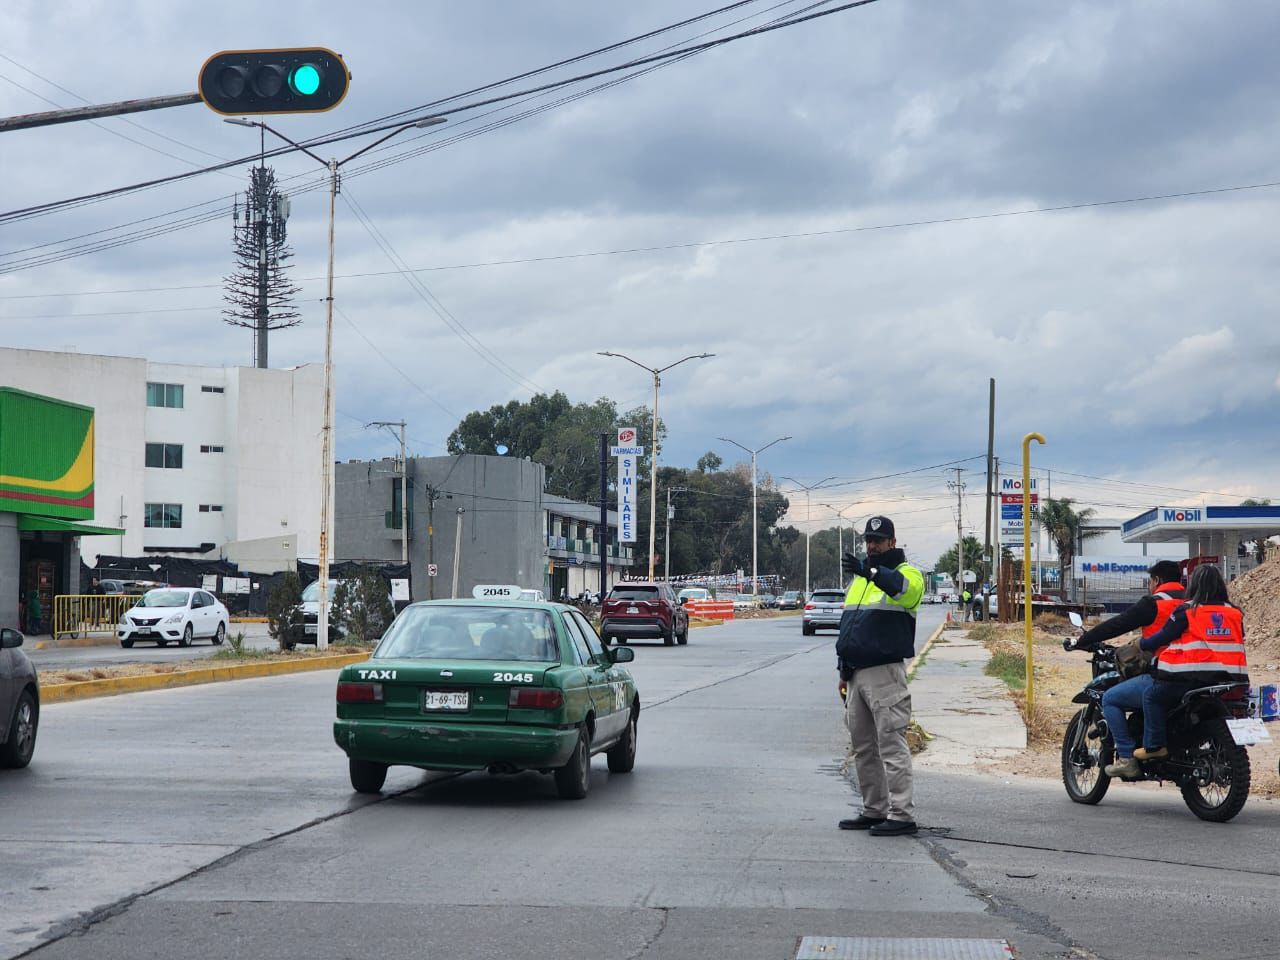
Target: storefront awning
{"points": [[52, 524]]}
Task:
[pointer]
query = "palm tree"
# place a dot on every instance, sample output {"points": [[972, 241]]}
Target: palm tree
{"points": [[1065, 526]]}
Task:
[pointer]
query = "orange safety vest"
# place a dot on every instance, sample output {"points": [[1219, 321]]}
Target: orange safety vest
{"points": [[1166, 603], [1212, 643]]}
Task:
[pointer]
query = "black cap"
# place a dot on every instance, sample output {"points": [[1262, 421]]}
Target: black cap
{"points": [[879, 527]]}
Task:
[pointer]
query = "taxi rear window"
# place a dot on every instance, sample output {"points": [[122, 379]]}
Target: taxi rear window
{"points": [[471, 633]]}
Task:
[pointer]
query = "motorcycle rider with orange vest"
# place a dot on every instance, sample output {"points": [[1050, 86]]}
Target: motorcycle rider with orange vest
{"points": [[1202, 643], [1149, 614]]}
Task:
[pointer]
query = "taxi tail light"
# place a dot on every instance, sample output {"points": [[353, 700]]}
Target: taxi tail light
{"points": [[352, 692], [533, 698]]}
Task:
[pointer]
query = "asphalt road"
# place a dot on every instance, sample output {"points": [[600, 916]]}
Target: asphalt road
{"points": [[217, 821]]}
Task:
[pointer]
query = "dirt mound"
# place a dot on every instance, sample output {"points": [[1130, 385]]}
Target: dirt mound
{"points": [[1257, 593]]}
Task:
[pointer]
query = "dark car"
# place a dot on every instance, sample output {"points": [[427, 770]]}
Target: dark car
{"points": [[770, 601], [791, 600], [19, 702], [643, 610]]}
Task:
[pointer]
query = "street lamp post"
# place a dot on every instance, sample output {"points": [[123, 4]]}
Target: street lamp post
{"points": [[755, 511], [808, 532], [653, 463], [840, 538], [326, 431]]}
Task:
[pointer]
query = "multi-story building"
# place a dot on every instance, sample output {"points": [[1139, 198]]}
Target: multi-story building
{"points": [[196, 461], [512, 532]]}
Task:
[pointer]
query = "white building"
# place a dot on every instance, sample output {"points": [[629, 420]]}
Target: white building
{"points": [[203, 462]]}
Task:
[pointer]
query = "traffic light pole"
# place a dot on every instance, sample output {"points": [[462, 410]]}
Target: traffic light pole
{"points": [[49, 117]]}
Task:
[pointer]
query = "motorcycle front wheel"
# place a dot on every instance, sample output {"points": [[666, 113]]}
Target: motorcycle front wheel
{"points": [[1220, 786], [1083, 759]]}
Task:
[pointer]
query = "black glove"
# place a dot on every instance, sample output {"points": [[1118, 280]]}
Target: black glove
{"points": [[852, 566], [1069, 644]]}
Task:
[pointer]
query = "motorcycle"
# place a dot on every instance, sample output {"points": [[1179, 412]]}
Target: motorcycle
{"points": [[1204, 761]]}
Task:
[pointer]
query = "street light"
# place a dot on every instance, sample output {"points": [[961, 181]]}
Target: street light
{"points": [[653, 464], [840, 537], [755, 583], [326, 431], [808, 533]]}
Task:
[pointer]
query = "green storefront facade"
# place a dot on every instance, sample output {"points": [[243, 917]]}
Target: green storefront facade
{"points": [[46, 494]]}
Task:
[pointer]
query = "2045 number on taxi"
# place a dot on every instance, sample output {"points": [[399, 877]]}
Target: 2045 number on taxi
{"points": [[500, 677]]}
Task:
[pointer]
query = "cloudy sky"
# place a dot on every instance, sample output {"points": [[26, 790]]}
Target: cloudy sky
{"points": [[877, 150]]}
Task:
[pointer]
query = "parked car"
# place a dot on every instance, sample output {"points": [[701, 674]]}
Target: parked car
{"points": [[532, 595], [482, 685], [769, 601], [643, 610], [19, 702], [310, 614], [745, 601], [791, 600], [180, 614], [693, 593], [823, 611]]}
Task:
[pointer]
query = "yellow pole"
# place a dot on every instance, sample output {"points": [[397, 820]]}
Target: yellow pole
{"points": [[1026, 563]]}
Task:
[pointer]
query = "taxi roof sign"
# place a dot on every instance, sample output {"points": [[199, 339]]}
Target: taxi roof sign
{"points": [[491, 591]]}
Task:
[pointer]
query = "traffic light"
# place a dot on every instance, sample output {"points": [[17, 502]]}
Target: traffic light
{"points": [[301, 80]]}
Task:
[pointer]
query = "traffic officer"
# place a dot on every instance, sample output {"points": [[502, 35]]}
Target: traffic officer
{"points": [[877, 633]]}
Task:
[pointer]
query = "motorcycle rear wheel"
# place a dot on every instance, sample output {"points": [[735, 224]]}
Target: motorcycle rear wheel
{"points": [[1086, 782], [1226, 792]]}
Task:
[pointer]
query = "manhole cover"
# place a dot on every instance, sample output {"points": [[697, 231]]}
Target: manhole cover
{"points": [[902, 948]]}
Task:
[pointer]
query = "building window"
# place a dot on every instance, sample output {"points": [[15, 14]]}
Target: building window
{"points": [[164, 395], [210, 448], [163, 515], [166, 455], [210, 508], [211, 390]]}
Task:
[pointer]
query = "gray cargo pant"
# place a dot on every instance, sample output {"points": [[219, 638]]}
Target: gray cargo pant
{"points": [[877, 713]]}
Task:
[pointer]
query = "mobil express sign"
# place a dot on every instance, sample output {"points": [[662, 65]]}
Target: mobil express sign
{"points": [[1181, 514]]}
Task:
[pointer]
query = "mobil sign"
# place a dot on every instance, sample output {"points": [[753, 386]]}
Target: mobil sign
{"points": [[1181, 514], [1013, 485]]}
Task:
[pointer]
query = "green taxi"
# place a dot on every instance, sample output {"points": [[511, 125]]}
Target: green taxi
{"points": [[502, 686]]}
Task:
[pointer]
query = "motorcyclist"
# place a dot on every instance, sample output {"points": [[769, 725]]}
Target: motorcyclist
{"points": [[1201, 643], [1148, 615]]}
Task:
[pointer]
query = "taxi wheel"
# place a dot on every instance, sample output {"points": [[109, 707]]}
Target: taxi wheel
{"points": [[367, 777], [574, 778], [622, 756]]}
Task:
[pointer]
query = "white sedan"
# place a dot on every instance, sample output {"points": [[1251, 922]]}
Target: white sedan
{"points": [[180, 614]]}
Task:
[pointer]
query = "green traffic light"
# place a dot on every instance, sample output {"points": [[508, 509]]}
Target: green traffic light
{"points": [[305, 80]]}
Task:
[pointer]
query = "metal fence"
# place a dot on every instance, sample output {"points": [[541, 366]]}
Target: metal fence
{"points": [[82, 613]]}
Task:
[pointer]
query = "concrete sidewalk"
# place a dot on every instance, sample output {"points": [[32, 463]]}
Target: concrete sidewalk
{"points": [[969, 714]]}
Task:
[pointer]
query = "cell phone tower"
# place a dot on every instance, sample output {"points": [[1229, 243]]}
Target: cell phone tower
{"points": [[258, 293]]}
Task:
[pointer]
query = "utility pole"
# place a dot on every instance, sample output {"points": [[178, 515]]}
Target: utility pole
{"points": [[755, 507], [840, 538], [958, 486], [997, 558], [457, 554], [404, 486], [666, 550], [987, 556]]}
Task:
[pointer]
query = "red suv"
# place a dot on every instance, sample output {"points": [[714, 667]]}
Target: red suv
{"points": [[640, 610]]}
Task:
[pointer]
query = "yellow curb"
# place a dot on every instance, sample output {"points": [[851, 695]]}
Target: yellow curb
{"points": [[919, 657], [706, 623], [97, 640], [85, 689], [249, 620]]}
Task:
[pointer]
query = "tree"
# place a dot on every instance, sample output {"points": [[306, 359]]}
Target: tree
{"points": [[284, 611], [362, 607], [710, 462], [1065, 526]]}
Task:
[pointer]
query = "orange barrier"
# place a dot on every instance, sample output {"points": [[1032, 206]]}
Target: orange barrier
{"points": [[710, 609]]}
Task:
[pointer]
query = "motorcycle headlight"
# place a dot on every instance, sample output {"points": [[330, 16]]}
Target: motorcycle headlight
{"points": [[176, 618]]}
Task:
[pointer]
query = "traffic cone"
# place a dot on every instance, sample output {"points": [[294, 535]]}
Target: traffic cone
{"points": [[948, 616]]}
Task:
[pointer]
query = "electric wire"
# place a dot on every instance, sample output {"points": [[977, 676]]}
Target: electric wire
{"points": [[392, 364]]}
